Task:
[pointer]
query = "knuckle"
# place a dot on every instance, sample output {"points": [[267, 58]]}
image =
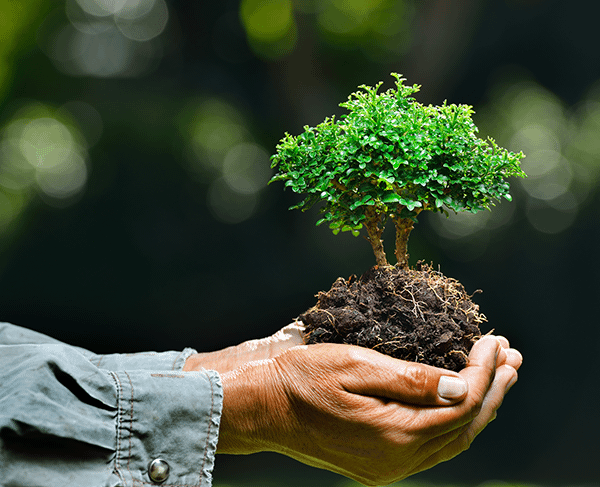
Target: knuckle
{"points": [[358, 356], [473, 409], [418, 379], [464, 440]]}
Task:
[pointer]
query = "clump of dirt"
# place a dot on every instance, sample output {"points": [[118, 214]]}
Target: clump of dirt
{"points": [[417, 314]]}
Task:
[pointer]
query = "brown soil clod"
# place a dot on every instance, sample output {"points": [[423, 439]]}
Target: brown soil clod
{"points": [[417, 314]]}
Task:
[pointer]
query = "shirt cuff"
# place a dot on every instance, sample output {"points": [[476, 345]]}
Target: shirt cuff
{"points": [[171, 417]]}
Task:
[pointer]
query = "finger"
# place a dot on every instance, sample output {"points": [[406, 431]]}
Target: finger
{"points": [[481, 368], [439, 449], [514, 358], [505, 378], [479, 375], [294, 331], [502, 357], [263, 348], [510, 356], [449, 445], [503, 341], [375, 374], [289, 336]]}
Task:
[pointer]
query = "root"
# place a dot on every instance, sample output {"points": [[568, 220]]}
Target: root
{"points": [[415, 303]]}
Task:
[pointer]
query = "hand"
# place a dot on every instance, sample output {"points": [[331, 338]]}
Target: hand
{"points": [[234, 357], [362, 414]]}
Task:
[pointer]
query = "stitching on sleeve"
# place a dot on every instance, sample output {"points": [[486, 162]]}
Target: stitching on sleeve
{"points": [[131, 424], [176, 359], [100, 358], [118, 424], [212, 403]]}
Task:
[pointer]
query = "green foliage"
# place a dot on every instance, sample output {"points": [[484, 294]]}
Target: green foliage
{"points": [[392, 157]]}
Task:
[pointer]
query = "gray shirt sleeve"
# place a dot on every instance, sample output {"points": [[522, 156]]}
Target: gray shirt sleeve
{"points": [[69, 417]]}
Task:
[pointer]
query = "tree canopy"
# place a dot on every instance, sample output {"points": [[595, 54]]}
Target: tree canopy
{"points": [[393, 157]]}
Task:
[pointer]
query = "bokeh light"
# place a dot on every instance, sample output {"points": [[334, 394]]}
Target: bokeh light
{"points": [[222, 152], [461, 225], [553, 216], [43, 152], [144, 21], [228, 205], [270, 27], [16, 34], [105, 39], [268, 20], [562, 152], [211, 127], [378, 28], [246, 168]]}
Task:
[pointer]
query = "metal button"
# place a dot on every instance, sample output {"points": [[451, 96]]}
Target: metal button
{"points": [[158, 471]]}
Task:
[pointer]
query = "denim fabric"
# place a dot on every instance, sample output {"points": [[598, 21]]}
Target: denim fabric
{"points": [[69, 417]]}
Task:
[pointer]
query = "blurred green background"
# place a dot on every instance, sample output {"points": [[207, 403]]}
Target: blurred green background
{"points": [[135, 138]]}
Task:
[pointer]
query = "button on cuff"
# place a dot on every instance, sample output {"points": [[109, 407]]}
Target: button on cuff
{"points": [[158, 471]]}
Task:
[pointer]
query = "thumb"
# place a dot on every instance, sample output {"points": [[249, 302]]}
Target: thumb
{"points": [[409, 382]]}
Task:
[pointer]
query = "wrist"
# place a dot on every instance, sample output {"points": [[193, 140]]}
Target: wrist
{"points": [[221, 360], [193, 362], [252, 409]]}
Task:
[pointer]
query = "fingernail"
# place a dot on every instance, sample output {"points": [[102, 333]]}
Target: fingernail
{"points": [[451, 387]]}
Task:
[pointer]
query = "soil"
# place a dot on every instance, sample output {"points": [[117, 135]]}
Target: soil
{"points": [[417, 314]]}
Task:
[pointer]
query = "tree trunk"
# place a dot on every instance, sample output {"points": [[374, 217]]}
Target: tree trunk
{"points": [[374, 231], [403, 228]]}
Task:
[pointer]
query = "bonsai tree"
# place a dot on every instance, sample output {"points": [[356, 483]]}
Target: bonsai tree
{"points": [[391, 157]]}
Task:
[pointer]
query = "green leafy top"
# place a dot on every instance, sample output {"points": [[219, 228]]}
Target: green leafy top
{"points": [[392, 157]]}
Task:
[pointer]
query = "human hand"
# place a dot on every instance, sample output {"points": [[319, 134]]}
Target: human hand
{"points": [[362, 414], [231, 358]]}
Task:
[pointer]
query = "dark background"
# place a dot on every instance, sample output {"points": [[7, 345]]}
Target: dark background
{"points": [[151, 226]]}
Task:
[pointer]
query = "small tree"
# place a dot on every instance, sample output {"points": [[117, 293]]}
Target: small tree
{"points": [[391, 157]]}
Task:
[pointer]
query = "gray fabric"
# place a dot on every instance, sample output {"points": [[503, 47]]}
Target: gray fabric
{"points": [[69, 417]]}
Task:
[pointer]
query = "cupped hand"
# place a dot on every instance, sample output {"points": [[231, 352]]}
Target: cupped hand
{"points": [[362, 414]]}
